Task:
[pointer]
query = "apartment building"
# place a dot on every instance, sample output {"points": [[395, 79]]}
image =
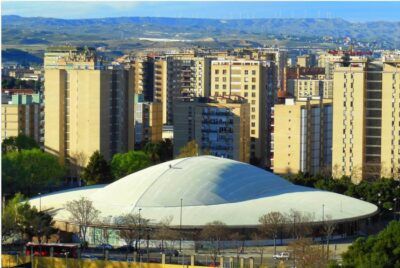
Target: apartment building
{"points": [[308, 87], [302, 139], [143, 76], [179, 75], [219, 126], [390, 131], [88, 107], [23, 115], [255, 81], [366, 121], [148, 121]]}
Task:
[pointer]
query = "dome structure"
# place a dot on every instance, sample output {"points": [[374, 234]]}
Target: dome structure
{"points": [[210, 188]]}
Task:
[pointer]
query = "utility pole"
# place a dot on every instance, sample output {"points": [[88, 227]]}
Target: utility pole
{"points": [[180, 229]]}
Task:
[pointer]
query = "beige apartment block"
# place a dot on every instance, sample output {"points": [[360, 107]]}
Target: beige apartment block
{"points": [[148, 123], [310, 88], [21, 119], [247, 79], [220, 126], [88, 110], [360, 108], [390, 143], [303, 61], [302, 139], [160, 86]]}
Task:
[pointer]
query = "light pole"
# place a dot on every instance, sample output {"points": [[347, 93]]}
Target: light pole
{"points": [[323, 227], [40, 202], [180, 229], [140, 255], [66, 259]]}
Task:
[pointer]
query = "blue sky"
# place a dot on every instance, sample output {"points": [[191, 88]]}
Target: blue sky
{"points": [[352, 11]]}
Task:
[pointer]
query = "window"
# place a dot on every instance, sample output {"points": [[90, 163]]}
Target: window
{"points": [[253, 72], [253, 79], [253, 132], [223, 86], [216, 71], [246, 72], [246, 87], [246, 94], [253, 87], [253, 124], [216, 86], [253, 94], [223, 79], [253, 109], [216, 79], [223, 71]]}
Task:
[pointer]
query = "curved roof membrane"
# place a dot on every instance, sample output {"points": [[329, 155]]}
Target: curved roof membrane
{"points": [[211, 188]]}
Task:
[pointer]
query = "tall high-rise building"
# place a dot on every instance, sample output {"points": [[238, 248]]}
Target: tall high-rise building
{"points": [[143, 75], [302, 139], [254, 81], [220, 127], [366, 119], [180, 75], [390, 132], [148, 121], [87, 109]]}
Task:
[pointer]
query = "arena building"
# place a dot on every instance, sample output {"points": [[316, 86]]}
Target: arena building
{"points": [[204, 189]]}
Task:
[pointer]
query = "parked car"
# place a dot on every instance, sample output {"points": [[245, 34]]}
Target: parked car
{"points": [[105, 246], [125, 248], [281, 256]]}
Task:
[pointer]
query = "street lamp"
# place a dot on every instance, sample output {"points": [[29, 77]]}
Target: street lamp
{"points": [[66, 259], [140, 255], [180, 229], [40, 201]]}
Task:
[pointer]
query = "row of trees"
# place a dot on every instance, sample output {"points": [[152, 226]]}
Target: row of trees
{"points": [[29, 170], [271, 226], [98, 170]]}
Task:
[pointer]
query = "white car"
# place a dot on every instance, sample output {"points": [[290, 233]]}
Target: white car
{"points": [[281, 256]]}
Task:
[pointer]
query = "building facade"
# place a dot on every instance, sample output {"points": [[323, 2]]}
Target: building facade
{"points": [[219, 127], [366, 119], [88, 110], [302, 138], [254, 81], [148, 122]]}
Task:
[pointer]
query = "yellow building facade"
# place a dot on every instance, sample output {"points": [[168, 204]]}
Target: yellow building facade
{"points": [[249, 80], [220, 126], [302, 137], [366, 120], [88, 110]]}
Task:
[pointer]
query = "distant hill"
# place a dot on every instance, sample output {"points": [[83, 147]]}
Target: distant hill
{"points": [[37, 30], [20, 56]]}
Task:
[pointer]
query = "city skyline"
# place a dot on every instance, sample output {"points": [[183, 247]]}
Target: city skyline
{"points": [[354, 11]]}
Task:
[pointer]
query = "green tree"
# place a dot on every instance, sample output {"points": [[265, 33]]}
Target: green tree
{"points": [[381, 250], [130, 162], [159, 152], [19, 218], [30, 172], [18, 143], [97, 171]]}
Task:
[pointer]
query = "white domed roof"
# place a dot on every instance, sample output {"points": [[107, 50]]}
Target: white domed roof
{"points": [[212, 188], [204, 180]]}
